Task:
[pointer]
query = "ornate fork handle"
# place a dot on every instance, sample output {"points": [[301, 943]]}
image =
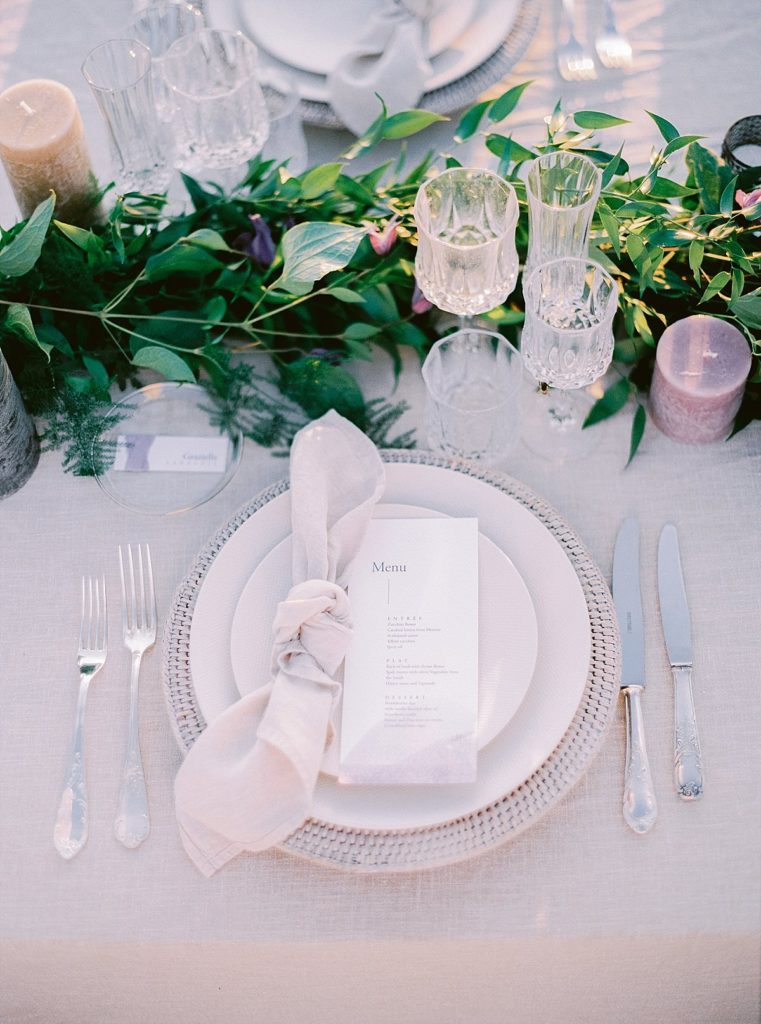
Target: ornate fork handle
{"points": [[132, 823], [70, 832]]}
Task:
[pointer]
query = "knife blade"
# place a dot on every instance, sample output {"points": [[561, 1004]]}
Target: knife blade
{"points": [[639, 808], [675, 619]]}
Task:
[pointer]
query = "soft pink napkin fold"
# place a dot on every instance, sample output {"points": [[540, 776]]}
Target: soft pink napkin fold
{"points": [[249, 779]]}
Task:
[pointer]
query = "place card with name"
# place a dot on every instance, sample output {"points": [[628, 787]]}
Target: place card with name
{"points": [[167, 453], [410, 701]]}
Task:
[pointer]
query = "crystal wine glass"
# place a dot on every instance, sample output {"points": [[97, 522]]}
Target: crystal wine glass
{"points": [[466, 259], [561, 190], [566, 344]]}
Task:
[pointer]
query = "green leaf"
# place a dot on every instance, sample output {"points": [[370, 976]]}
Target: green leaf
{"points": [[596, 119], [360, 332], [181, 258], [507, 102], [78, 236], [18, 321], [705, 170], [345, 295], [200, 198], [21, 254], [471, 120], [611, 167], [635, 247], [208, 239], [747, 308], [317, 387], [727, 201], [162, 361], [738, 283], [507, 149], [371, 137], [614, 399], [320, 180], [679, 143], [610, 223], [717, 282], [312, 250], [695, 257], [409, 122], [638, 429], [666, 128], [97, 371]]}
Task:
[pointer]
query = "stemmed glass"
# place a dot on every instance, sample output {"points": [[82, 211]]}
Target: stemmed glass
{"points": [[158, 26], [566, 344], [561, 190], [466, 259]]}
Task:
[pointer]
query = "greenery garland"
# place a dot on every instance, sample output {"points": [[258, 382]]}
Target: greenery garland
{"points": [[318, 268]]}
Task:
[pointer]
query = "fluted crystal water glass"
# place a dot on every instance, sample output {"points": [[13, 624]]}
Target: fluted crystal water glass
{"points": [[158, 26], [566, 344], [220, 116], [562, 189], [466, 260], [119, 75], [473, 380]]}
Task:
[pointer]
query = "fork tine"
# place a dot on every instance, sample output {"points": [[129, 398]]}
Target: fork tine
{"points": [[104, 631], [133, 596], [125, 620], [141, 601], [82, 618], [89, 614], [151, 591]]}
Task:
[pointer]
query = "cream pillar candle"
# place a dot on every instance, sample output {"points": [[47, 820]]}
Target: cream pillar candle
{"points": [[701, 365], [42, 146]]}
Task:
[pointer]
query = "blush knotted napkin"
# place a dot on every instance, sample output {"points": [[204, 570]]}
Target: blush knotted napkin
{"points": [[248, 780], [389, 59]]}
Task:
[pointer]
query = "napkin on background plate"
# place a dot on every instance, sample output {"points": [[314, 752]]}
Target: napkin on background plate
{"points": [[248, 780], [389, 59]]}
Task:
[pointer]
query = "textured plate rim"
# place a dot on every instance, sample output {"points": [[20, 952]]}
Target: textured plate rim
{"points": [[453, 841]]}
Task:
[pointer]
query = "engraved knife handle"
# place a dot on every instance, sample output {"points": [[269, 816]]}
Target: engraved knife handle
{"points": [[640, 808], [688, 766]]}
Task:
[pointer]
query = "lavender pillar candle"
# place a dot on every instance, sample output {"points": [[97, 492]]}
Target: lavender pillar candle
{"points": [[701, 366]]}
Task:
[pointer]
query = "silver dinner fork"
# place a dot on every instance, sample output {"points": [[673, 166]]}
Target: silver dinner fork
{"points": [[132, 823], [613, 49], [575, 64], [70, 833]]}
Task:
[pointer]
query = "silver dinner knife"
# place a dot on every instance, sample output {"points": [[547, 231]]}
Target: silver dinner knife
{"points": [[640, 808], [675, 617]]}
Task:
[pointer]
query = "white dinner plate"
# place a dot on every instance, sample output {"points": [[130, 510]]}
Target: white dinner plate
{"points": [[482, 35], [507, 632], [557, 685], [298, 32]]}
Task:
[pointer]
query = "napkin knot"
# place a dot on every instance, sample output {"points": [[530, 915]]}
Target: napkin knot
{"points": [[312, 625]]}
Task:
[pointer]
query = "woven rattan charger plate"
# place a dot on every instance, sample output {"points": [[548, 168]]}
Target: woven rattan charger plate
{"points": [[413, 849]]}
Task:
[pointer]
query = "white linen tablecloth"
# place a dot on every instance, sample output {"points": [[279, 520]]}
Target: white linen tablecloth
{"points": [[578, 919]]}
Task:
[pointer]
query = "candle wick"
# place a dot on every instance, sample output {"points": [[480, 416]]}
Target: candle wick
{"points": [[26, 108]]}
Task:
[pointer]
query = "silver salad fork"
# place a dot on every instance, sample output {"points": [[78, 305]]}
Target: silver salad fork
{"points": [[132, 823], [613, 49], [70, 833], [574, 62]]}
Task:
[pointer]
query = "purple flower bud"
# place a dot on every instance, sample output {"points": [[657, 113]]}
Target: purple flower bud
{"points": [[382, 239], [260, 248], [420, 303], [326, 355], [746, 199]]}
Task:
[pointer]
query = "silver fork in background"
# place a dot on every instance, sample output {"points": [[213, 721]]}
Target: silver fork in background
{"points": [[575, 63], [70, 833], [132, 823], [613, 49]]}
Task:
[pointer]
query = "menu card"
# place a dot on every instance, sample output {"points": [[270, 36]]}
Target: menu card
{"points": [[410, 701]]}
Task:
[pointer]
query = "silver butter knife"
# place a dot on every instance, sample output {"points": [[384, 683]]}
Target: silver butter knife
{"points": [[640, 808], [675, 617]]}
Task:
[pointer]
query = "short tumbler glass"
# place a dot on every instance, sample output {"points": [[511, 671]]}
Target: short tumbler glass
{"points": [[562, 190], [466, 259], [220, 115], [119, 75], [473, 378]]}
